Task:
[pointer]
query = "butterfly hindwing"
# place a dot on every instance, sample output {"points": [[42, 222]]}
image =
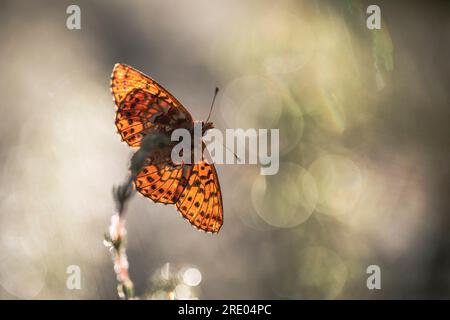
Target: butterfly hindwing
{"points": [[201, 200], [194, 188], [162, 183]]}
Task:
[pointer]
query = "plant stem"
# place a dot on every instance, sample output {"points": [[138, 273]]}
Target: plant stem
{"points": [[115, 240]]}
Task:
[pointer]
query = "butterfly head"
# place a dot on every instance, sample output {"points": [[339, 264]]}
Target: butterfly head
{"points": [[206, 126]]}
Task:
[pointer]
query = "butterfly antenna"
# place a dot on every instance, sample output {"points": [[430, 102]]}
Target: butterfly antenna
{"points": [[235, 155], [209, 115], [212, 104]]}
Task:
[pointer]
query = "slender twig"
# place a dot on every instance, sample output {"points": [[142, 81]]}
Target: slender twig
{"points": [[115, 240]]}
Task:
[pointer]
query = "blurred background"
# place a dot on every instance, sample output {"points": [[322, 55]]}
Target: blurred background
{"points": [[364, 148]]}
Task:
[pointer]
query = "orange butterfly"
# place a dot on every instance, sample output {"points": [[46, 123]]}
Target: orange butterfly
{"points": [[144, 107]]}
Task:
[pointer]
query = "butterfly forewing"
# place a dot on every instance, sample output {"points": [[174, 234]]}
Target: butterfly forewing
{"points": [[142, 103], [125, 78]]}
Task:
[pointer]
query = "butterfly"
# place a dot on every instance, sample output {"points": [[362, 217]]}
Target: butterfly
{"points": [[145, 109]]}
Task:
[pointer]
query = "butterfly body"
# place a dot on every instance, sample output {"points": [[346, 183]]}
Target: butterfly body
{"points": [[146, 116]]}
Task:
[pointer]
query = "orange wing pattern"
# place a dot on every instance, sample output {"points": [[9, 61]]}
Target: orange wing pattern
{"points": [[201, 200], [194, 188], [162, 183], [142, 103]]}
